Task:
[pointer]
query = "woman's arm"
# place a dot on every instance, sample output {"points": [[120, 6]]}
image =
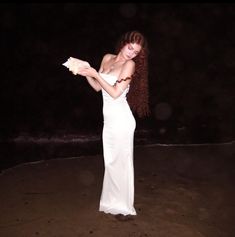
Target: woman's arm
{"points": [[93, 83], [123, 81], [91, 80], [75, 67]]}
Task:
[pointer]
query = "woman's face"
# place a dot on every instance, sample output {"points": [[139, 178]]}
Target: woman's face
{"points": [[131, 50]]}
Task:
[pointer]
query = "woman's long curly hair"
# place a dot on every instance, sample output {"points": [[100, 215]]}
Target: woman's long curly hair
{"points": [[138, 95]]}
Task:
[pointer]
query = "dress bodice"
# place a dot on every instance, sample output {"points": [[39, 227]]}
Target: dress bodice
{"points": [[111, 79]]}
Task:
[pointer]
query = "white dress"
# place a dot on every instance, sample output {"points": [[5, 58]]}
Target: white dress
{"points": [[117, 195]]}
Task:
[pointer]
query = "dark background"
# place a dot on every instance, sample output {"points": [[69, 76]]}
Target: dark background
{"points": [[191, 68]]}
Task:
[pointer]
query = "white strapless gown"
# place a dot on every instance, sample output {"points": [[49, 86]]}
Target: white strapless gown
{"points": [[117, 195]]}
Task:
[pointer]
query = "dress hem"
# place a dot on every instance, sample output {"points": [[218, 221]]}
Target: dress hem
{"points": [[116, 212]]}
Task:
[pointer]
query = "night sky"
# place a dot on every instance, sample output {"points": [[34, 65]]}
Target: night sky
{"points": [[191, 68]]}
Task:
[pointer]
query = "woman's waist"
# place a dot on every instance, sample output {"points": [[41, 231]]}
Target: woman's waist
{"points": [[118, 103], [119, 119], [117, 112]]}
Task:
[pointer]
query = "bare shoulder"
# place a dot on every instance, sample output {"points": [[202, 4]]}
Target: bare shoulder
{"points": [[130, 64], [128, 69], [108, 56]]}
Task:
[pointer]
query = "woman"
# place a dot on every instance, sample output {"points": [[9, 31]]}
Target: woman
{"points": [[122, 78]]}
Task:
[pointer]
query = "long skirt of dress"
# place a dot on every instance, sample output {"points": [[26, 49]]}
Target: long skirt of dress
{"points": [[118, 140]]}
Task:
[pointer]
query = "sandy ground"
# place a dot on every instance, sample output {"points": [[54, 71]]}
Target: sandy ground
{"points": [[180, 191]]}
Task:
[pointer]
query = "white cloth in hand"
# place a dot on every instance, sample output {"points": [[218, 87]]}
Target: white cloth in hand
{"points": [[76, 65]]}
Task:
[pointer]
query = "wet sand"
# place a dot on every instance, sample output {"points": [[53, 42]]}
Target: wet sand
{"points": [[180, 191]]}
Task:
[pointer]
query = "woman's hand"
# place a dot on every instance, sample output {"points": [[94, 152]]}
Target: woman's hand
{"points": [[75, 65], [88, 72]]}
